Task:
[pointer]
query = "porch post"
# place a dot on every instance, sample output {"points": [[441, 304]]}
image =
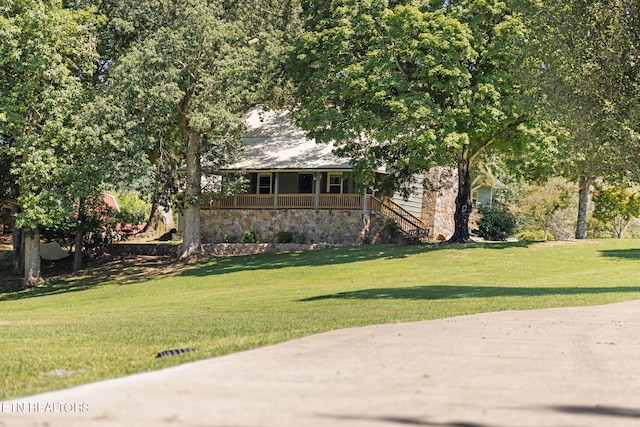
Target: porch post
{"points": [[316, 179], [276, 190]]}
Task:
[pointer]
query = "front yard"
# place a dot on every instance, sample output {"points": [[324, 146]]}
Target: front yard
{"points": [[114, 322]]}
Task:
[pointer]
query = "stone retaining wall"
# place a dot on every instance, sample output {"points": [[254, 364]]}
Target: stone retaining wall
{"points": [[149, 249], [318, 226], [222, 249]]}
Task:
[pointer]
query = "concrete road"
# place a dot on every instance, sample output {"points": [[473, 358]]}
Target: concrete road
{"points": [[553, 367]]}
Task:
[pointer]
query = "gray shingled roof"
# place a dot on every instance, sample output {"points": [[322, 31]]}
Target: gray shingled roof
{"points": [[273, 142]]}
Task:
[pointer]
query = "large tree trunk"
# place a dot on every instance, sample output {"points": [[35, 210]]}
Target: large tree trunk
{"points": [[192, 244], [32, 272], [463, 203], [18, 244], [79, 241], [583, 204]]}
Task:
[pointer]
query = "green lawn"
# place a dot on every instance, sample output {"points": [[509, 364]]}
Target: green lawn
{"points": [[96, 329]]}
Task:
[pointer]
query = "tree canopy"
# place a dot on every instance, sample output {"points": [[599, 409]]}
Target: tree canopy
{"points": [[189, 81], [46, 51], [409, 84], [587, 55]]}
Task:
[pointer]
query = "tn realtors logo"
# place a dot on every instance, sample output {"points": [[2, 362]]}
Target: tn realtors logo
{"points": [[44, 407]]}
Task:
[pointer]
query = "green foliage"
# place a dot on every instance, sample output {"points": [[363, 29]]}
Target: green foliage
{"points": [[187, 81], [133, 208], [99, 223], [534, 235], [284, 236], [496, 223], [249, 237], [616, 206], [587, 55], [537, 205], [46, 55], [412, 84]]}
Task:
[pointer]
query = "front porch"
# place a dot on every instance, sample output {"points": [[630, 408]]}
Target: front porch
{"points": [[328, 218]]}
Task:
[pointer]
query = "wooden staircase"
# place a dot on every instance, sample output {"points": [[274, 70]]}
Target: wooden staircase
{"points": [[411, 226]]}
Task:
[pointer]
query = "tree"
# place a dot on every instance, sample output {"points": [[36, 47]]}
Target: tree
{"points": [[189, 81], [409, 84], [536, 207], [588, 71], [45, 50], [616, 206]]}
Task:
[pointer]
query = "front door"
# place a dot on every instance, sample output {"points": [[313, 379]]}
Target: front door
{"points": [[305, 183]]}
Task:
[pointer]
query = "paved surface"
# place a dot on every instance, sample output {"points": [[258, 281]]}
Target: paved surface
{"points": [[554, 367]]}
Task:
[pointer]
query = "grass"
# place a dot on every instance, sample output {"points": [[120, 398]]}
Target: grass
{"points": [[77, 330]]}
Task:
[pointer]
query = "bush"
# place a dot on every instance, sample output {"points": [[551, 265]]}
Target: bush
{"points": [[284, 237], [133, 208], [497, 222], [249, 237], [533, 235]]}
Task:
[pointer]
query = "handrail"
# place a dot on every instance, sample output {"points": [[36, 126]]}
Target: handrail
{"points": [[408, 223]]}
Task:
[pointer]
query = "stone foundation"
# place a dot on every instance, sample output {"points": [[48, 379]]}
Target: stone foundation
{"points": [[335, 226]]}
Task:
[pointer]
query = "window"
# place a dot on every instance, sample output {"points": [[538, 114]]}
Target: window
{"points": [[335, 184], [264, 183]]}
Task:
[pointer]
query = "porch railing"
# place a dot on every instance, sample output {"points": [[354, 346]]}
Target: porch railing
{"points": [[407, 222], [288, 201]]}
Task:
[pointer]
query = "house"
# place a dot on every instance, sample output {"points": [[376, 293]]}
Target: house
{"points": [[296, 185], [483, 187]]}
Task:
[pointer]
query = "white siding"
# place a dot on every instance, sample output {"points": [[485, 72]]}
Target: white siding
{"points": [[414, 203]]}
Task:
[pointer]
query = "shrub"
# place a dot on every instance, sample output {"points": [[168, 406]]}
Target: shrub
{"points": [[389, 230], [497, 222], [133, 208], [533, 235], [249, 237], [284, 237], [300, 238]]}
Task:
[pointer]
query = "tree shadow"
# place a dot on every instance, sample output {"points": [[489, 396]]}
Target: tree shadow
{"points": [[632, 254], [331, 256], [440, 292], [611, 411], [123, 270], [133, 269], [314, 258], [408, 421]]}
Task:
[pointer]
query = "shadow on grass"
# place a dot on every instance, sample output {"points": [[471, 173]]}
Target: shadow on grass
{"points": [[333, 256], [121, 270], [632, 254], [456, 292], [137, 269]]}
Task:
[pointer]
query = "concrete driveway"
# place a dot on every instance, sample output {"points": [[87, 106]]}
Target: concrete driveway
{"points": [[553, 367]]}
